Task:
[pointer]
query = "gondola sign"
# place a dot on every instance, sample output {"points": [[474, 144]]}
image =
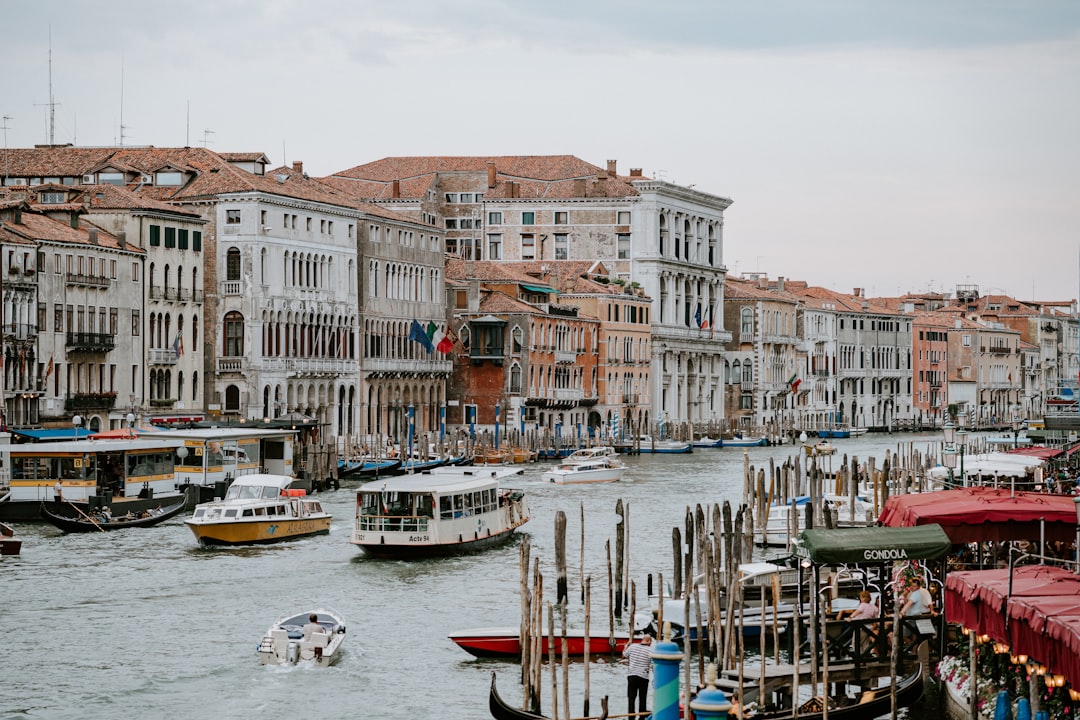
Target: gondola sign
{"points": [[873, 544]]}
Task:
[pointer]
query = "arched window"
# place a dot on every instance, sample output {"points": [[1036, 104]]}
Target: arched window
{"points": [[232, 399], [233, 335], [746, 322], [232, 264], [515, 379], [195, 386]]}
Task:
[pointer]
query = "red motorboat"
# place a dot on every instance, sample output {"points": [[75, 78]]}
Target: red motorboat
{"points": [[506, 642]]}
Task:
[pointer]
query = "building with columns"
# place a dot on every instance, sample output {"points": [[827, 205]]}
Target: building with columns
{"points": [[662, 238]]}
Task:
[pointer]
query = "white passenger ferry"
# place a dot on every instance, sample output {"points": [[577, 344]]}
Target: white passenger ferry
{"points": [[443, 511]]}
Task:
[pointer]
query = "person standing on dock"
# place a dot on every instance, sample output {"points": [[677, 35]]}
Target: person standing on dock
{"points": [[639, 655]]}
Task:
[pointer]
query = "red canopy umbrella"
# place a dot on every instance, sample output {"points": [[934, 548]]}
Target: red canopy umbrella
{"points": [[976, 598], [978, 514], [1048, 629]]}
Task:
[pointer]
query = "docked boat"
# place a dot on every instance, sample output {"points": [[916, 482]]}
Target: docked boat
{"points": [[744, 441], [522, 455], [76, 521], [598, 470], [9, 544], [652, 445], [367, 467], [289, 641], [708, 442], [505, 642], [501, 710], [259, 509], [444, 511], [852, 701], [779, 522]]}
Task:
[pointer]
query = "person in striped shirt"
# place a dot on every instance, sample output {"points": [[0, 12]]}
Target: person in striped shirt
{"points": [[637, 673]]}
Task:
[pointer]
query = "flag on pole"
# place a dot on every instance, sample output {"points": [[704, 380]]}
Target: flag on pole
{"points": [[49, 369], [417, 333], [697, 315], [178, 345], [438, 338], [794, 382]]}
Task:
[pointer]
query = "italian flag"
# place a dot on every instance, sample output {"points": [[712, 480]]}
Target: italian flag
{"points": [[794, 382], [438, 338]]}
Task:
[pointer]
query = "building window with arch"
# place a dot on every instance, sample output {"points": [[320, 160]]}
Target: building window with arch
{"points": [[232, 264], [234, 335], [746, 322], [515, 379], [232, 399]]}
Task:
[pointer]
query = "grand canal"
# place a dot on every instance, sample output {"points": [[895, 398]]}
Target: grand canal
{"points": [[147, 624]]}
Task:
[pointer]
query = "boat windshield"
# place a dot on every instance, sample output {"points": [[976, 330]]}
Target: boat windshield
{"points": [[250, 492]]}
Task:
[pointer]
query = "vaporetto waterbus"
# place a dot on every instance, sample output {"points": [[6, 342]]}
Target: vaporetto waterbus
{"points": [[142, 472]]}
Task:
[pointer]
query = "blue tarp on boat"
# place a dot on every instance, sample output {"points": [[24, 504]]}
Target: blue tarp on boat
{"points": [[52, 434]]}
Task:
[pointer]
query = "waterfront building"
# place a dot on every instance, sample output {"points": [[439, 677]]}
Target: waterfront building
{"points": [[75, 329], [168, 380], [763, 353], [524, 349], [663, 238], [816, 395]]}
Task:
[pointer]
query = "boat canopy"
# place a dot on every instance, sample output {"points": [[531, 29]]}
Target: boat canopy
{"points": [[873, 544]]}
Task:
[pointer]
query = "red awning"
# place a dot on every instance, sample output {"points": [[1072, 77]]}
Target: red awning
{"points": [[1043, 611], [979, 514]]}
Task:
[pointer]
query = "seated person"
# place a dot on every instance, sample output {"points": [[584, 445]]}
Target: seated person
{"points": [[867, 609], [312, 626]]}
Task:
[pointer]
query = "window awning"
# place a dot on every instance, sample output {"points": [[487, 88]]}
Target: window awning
{"points": [[540, 289], [873, 544], [487, 320]]}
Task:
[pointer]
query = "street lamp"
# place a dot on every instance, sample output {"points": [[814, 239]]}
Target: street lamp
{"points": [[76, 422], [948, 450], [1016, 425]]}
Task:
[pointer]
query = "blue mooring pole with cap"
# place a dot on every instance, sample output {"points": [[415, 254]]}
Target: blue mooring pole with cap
{"points": [[666, 657], [710, 703]]}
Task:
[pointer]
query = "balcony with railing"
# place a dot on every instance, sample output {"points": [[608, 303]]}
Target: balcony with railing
{"points": [[163, 356], [156, 292], [162, 402], [565, 358], [232, 287], [231, 364], [90, 342], [630, 398], [171, 293], [87, 280], [997, 350], [375, 366], [20, 331], [81, 402]]}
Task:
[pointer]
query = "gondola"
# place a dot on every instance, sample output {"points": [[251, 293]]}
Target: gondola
{"points": [[870, 704], [83, 524], [501, 711], [368, 469]]}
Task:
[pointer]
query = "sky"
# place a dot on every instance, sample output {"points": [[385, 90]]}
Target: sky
{"points": [[893, 146]]}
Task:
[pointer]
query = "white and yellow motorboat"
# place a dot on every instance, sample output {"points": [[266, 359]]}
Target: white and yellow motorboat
{"points": [[258, 509]]}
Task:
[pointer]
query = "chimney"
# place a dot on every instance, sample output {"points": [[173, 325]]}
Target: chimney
{"points": [[491, 173], [395, 190], [579, 187], [611, 168], [513, 189], [298, 167], [780, 283], [635, 172], [121, 239], [92, 232], [857, 292], [763, 282]]}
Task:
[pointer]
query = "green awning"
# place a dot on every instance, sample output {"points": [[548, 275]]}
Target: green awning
{"points": [[540, 289], [873, 544]]}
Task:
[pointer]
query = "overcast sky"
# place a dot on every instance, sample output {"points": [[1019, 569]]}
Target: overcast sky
{"points": [[896, 146]]}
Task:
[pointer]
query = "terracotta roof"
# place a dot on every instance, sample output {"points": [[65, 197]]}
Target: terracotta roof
{"points": [[39, 227], [114, 197], [55, 161], [498, 303], [535, 176]]}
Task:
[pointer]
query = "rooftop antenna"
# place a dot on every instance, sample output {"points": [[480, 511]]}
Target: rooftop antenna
{"points": [[122, 128], [5, 129], [206, 136], [187, 126], [52, 100]]}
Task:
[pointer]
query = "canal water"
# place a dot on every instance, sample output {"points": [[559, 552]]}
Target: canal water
{"points": [[144, 623]]}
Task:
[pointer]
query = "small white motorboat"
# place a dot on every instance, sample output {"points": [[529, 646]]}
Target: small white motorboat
{"points": [[601, 469], [295, 639]]}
